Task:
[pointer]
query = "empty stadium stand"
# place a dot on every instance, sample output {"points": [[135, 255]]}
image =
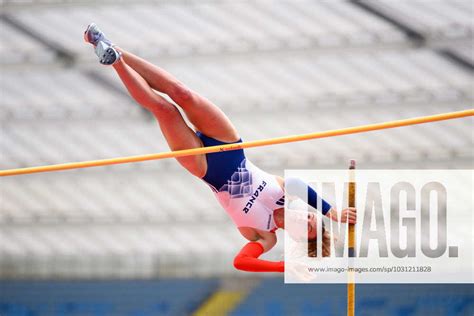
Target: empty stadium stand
{"points": [[435, 20], [272, 297], [145, 298], [174, 297]]}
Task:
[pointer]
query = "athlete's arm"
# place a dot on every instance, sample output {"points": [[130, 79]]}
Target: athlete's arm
{"points": [[296, 187], [248, 257]]}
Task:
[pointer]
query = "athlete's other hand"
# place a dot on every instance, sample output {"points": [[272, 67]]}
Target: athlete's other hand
{"points": [[348, 215]]}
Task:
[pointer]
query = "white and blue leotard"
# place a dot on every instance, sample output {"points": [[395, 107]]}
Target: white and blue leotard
{"points": [[248, 194]]}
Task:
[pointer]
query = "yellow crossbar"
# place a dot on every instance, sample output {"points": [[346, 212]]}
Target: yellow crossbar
{"points": [[255, 143]]}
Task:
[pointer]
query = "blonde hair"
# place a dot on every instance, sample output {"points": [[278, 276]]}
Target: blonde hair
{"points": [[313, 248]]}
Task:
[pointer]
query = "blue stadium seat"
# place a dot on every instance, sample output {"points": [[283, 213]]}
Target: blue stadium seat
{"points": [[465, 306], [403, 310], [274, 297], [104, 298]]}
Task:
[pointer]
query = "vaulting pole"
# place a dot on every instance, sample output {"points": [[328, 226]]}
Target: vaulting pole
{"points": [[351, 244], [255, 143]]}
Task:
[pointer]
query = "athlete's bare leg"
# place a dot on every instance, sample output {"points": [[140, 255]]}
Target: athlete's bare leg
{"points": [[177, 133], [203, 114]]}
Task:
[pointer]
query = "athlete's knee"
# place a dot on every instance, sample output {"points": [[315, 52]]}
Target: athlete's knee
{"points": [[181, 94], [165, 111], [156, 104]]}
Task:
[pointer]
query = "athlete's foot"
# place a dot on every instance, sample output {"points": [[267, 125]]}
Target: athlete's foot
{"points": [[108, 55], [94, 35], [104, 48]]}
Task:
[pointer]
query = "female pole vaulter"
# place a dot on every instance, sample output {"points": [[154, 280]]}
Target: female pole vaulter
{"points": [[253, 198]]}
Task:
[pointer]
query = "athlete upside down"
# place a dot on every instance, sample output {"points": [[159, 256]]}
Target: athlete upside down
{"points": [[253, 198]]}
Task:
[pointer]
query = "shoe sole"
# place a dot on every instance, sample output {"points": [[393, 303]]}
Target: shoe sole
{"points": [[109, 57]]}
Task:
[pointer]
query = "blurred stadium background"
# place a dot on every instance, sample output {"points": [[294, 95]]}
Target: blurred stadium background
{"points": [[147, 239]]}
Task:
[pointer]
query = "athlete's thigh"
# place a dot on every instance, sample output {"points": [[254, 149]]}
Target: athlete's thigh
{"points": [[210, 119], [180, 136]]}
